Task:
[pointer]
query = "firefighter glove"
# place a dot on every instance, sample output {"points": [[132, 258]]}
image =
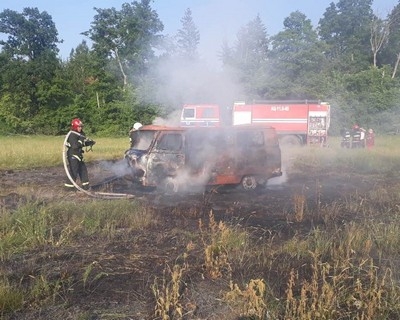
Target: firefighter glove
{"points": [[90, 142]]}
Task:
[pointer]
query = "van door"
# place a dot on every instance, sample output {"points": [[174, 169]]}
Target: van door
{"points": [[167, 157], [258, 157], [252, 152]]}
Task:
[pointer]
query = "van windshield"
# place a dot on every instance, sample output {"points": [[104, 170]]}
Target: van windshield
{"points": [[141, 140]]}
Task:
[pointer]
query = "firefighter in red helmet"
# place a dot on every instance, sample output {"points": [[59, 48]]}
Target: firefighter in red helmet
{"points": [[356, 141], [75, 142]]}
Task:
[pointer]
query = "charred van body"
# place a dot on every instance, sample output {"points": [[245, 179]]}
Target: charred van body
{"points": [[177, 158]]}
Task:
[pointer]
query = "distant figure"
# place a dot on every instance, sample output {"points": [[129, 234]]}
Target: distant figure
{"points": [[362, 137], [346, 138], [356, 137], [136, 126], [370, 139]]}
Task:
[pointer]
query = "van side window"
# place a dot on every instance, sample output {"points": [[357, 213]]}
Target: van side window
{"points": [[271, 138], [141, 140], [257, 138], [170, 141], [251, 138]]}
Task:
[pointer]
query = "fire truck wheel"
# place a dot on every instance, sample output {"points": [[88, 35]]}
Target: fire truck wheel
{"points": [[289, 141], [249, 183]]}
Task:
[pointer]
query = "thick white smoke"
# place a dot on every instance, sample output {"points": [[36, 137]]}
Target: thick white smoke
{"points": [[185, 82]]}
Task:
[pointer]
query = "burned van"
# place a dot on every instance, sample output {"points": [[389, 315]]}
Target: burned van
{"points": [[156, 154], [176, 158]]}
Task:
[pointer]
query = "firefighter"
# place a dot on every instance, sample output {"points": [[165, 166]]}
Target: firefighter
{"points": [[75, 143], [356, 137], [136, 126], [370, 140], [362, 137], [346, 138]]}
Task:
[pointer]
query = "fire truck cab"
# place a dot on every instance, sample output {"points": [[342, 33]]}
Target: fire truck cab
{"points": [[175, 158], [200, 115]]}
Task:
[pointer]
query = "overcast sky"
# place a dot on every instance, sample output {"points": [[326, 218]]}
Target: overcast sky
{"points": [[216, 19]]}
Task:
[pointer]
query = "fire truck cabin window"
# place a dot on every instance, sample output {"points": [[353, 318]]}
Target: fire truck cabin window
{"points": [[188, 113]]}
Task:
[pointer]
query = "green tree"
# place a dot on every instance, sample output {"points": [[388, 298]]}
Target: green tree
{"points": [[391, 50], [248, 57], [367, 98], [80, 68], [379, 36], [297, 58], [128, 36], [346, 28], [30, 33], [30, 64], [188, 37]]}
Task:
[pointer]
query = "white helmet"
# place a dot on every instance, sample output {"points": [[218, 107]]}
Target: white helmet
{"points": [[137, 125]]}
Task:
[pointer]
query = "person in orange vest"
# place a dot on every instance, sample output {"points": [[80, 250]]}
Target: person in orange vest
{"points": [[370, 140]]}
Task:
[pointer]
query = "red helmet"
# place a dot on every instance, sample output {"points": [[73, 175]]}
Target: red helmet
{"points": [[75, 123]]}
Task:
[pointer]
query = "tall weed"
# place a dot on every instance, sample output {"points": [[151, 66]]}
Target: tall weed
{"points": [[11, 297]]}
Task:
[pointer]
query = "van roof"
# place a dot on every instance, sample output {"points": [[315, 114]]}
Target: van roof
{"points": [[153, 127]]}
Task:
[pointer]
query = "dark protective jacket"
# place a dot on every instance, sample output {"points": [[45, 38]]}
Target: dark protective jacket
{"points": [[75, 143], [356, 135]]}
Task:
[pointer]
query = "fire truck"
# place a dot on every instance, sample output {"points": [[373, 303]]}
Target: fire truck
{"points": [[200, 115], [296, 122]]}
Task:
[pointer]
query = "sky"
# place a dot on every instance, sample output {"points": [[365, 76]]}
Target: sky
{"points": [[217, 20]]}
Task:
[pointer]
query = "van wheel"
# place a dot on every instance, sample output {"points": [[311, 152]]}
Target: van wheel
{"points": [[249, 183], [170, 186]]}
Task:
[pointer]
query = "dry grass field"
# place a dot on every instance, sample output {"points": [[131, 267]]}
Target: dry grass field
{"points": [[321, 242]]}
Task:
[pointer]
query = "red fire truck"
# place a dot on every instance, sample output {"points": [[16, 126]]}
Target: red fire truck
{"points": [[200, 115], [296, 122]]}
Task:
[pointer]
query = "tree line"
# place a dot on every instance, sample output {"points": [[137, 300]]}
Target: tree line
{"points": [[133, 72]]}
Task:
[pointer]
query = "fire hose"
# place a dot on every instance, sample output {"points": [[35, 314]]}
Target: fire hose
{"points": [[102, 195]]}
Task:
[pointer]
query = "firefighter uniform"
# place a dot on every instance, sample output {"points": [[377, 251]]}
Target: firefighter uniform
{"points": [[75, 143], [346, 139], [356, 137], [136, 126]]}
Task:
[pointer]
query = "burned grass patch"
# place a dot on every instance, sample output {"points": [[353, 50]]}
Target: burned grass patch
{"points": [[323, 244]]}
